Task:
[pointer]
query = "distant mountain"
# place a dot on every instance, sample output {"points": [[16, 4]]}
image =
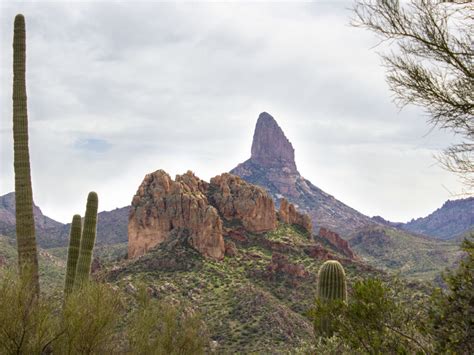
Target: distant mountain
{"points": [[111, 225], [48, 231], [272, 166], [452, 220]]}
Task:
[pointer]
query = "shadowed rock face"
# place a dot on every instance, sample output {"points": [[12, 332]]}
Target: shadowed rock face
{"points": [[162, 205], [272, 166]]}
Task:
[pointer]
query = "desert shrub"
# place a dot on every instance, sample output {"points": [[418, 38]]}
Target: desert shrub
{"points": [[376, 319], [28, 324], [161, 328], [90, 321]]}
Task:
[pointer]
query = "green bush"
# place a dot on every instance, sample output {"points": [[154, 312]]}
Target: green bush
{"points": [[28, 324], [90, 321], [161, 328]]}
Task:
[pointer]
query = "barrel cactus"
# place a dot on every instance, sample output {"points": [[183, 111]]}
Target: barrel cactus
{"points": [[332, 281], [83, 267], [25, 225]]}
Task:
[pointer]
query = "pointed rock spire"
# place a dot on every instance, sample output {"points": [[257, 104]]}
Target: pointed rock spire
{"points": [[270, 147]]}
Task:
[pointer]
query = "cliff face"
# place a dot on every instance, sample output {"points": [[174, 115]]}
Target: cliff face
{"points": [[162, 206], [236, 199], [272, 166], [195, 210]]}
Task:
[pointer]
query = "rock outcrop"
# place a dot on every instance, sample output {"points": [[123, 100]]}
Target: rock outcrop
{"points": [[288, 214], [162, 205], [192, 209], [272, 166], [235, 199], [340, 244]]}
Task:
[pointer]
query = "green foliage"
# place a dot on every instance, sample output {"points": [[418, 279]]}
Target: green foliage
{"points": [[375, 320], [25, 226], [28, 325], [161, 328], [73, 253], [332, 281], [90, 321], [451, 317], [87, 241]]}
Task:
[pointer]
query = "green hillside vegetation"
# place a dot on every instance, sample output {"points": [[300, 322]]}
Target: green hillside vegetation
{"points": [[51, 267], [255, 301], [415, 257]]}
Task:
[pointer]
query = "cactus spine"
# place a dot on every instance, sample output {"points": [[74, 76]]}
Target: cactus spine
{"points": [[73, 253], [25, 227], [332, 281], [83, 267]]}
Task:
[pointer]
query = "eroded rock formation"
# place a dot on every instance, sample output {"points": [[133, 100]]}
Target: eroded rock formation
{"points": [[288, 214], [236, 199], [340, 244], [193, 209], [162, 205]]}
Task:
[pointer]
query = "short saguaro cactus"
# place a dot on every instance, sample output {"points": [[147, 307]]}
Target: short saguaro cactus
{"points": [[332, 281]]}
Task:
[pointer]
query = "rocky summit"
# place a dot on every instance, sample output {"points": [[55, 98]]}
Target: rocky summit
{"points": [[272, 166], [162, 206], [200, 214]]}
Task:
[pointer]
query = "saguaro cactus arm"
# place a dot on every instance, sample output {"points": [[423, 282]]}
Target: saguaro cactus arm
{"points": [[73, 253], [87, 241]]}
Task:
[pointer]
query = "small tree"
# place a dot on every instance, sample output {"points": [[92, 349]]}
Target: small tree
{"points": [[431, 66]]}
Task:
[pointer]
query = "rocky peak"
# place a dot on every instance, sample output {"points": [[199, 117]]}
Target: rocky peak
{"points": [[272, 166], [270, 147], [163, 208], [192, 209]]}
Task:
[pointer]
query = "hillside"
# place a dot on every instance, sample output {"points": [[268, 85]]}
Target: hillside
{"points": [[394, 250], [253, 300]]}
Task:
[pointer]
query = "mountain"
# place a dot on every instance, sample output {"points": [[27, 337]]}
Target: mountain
{"points": [[452, 220], [48, 231], [272, 166], [111, 225]]}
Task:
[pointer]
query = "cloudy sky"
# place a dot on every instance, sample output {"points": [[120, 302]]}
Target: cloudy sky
{"points": [[120, 89]]}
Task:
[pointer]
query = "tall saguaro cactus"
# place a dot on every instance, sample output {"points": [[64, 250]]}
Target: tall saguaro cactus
{"points": [[73, 253], [83, 267], [332, 281], [25, 226]]}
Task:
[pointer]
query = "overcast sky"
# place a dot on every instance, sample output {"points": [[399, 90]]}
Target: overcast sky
{"points": [[120, 89]]}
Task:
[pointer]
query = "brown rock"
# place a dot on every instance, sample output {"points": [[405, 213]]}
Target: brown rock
{"points": [[236, 199], [230, 248], [340, 244], [162, 205], [281, 264], [288, 214], [318, 252]]}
